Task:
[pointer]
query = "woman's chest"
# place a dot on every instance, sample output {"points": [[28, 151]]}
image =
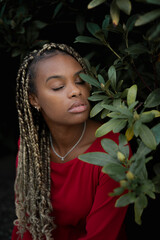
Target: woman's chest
{"points": [[73, 192]]}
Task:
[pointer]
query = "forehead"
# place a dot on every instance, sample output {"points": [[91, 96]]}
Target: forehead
{"points": [[59, 64]]}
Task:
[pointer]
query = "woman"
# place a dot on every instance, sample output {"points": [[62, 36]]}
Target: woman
{"points": [[57, 195]]}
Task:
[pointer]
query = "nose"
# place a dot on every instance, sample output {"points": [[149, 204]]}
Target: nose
{"points": [[74, 91]]}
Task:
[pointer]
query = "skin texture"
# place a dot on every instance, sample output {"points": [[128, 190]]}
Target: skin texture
{"points": [[62, 98]]}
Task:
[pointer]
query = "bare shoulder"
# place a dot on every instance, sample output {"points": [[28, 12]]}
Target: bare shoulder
{"points": [[92, 126]]}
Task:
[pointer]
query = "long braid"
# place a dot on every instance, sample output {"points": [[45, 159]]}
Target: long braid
{"points": [[33, 181]]}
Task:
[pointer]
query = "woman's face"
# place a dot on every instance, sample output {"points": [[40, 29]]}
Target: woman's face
{"points": [[60, 93]]}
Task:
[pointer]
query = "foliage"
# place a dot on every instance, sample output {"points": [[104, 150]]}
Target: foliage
{"points": [[121, 90], [123, 56]]}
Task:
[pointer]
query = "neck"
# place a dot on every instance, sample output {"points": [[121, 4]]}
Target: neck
{"points": [[64, 137]]}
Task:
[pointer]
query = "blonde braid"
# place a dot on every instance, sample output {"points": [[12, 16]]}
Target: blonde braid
{"points": [[33, 181]]}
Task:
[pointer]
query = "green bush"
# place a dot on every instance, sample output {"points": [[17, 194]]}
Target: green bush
{"points": [[128, 95]]}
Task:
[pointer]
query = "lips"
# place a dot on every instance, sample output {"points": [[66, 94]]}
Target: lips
{"points": [[78, 107]]}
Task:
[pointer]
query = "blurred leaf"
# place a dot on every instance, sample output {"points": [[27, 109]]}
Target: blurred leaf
{"points": [[147, 17], [156, 168], [153, 99], [132, 94], [124, 5], [39, 24], [93, 28], [105, 25], [126, 199], [136, 49], [156, 132], [153, 33], [112, 76], [95, 3], [131, 22], [80, 23], [86, 39], [114, 12], [147, 137], [140, 203], [115, 171], [150, 1], [57, 9]]}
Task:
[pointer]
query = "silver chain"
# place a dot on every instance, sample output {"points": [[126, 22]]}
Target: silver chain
{"points": [[62, 158]]}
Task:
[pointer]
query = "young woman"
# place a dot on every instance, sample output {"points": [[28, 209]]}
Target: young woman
{"points": [[57, 195]]}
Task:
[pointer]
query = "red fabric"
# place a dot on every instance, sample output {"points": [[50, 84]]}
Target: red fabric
{"points": [[83, 209]]}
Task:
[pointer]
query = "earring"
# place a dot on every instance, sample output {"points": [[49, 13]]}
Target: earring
{"points": [[37, 108]]}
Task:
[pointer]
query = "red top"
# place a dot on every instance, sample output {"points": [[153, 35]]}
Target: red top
{"points": [[83, 209]]}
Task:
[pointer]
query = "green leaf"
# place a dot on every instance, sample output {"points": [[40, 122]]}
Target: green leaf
{"points": [[90, 80], [146, 117], [57, 9], [148, 188], [153, 99], [86, 39], [136, 127], [96, 109], [80, 23], [124, 5], [39, 24], [147, 137], [95, 3], [114, 12], [115, 171], [104, 113], [96, 158], [121, 109], [97, 98], [156, 132], [101, 79], [126, 199], [121, 123], [148, 17], [157, 2], [112, 76], [106, 127], [110, 147], [132, 94], [93, 28], [139, 205], [117, 191], [105, 25], [136, 49], [131, 22]]}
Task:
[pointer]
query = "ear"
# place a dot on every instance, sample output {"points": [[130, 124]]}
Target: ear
{"points": [[34, 101]]}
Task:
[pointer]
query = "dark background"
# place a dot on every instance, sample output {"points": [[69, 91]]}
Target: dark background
{"points": [[61, 29]]}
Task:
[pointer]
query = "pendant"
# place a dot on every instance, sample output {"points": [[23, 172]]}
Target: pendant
{"points": [[62, 158]]}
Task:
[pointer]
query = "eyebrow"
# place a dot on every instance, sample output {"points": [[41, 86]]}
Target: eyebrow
{"points": [[59, 76]]}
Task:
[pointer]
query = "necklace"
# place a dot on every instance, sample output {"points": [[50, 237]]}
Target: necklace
{"points": [[62, 158]]}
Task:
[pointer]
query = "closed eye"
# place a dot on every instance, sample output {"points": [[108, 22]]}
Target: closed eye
{"points": [[56, 89]]}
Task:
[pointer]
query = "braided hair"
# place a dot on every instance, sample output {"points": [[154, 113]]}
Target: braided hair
{"points": [[33, 182]]}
